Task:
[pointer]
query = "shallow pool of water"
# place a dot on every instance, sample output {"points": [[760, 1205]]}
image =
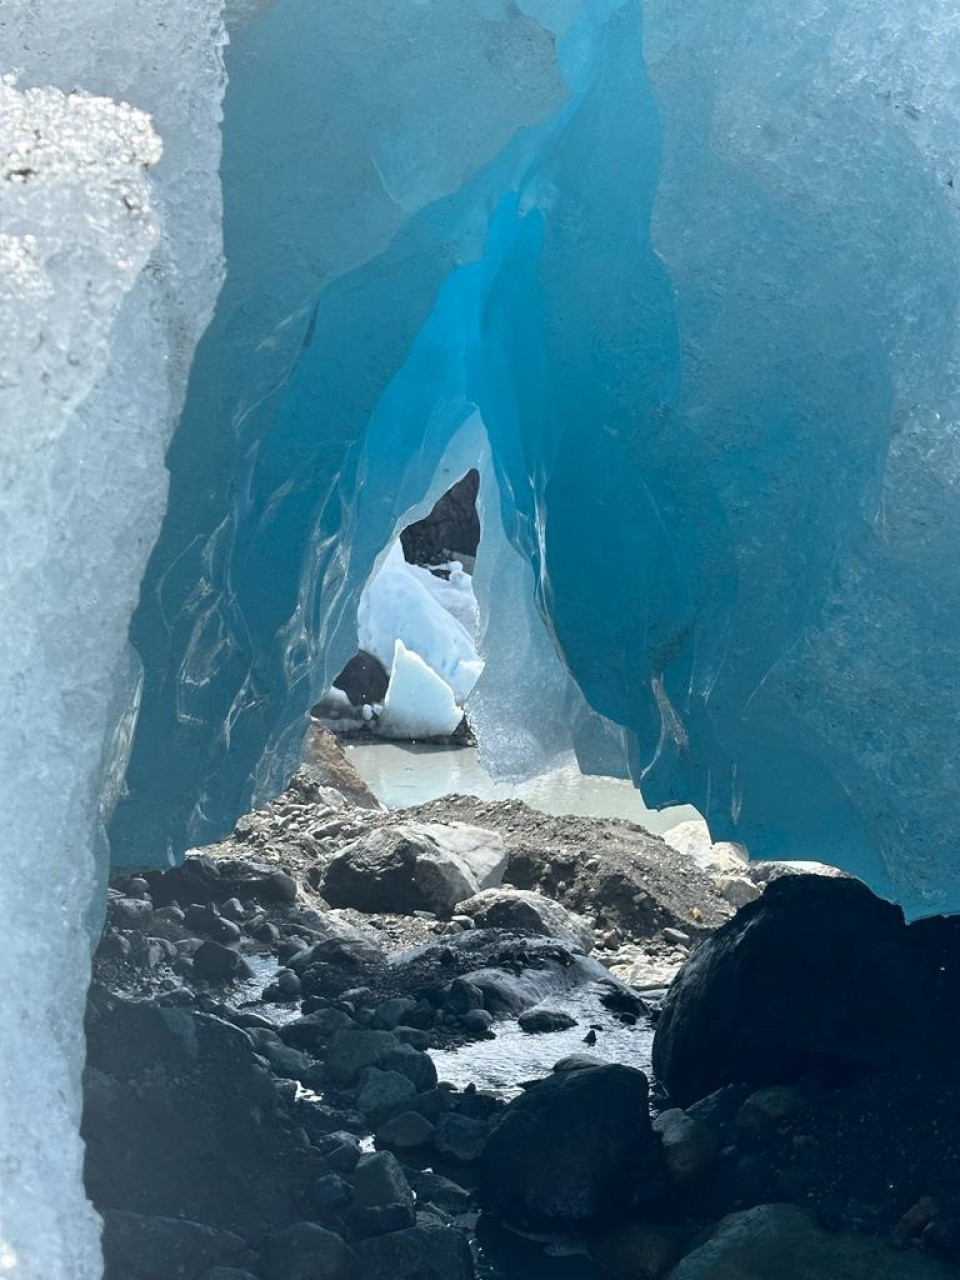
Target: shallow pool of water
{"points": [[405, 774], [502, 1065]]}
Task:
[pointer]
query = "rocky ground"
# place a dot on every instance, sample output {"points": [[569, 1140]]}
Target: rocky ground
{"points": [[265, 1024]]}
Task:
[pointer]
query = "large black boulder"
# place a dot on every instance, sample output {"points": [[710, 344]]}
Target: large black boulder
{"points": [[819, 979], [575, 1150]]}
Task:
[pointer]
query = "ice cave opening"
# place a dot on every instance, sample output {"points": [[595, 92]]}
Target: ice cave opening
{"points": [[679, 285]]}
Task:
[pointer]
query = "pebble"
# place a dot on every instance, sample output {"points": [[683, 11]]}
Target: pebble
{"points": [[677, 936], [215, 963], [543, 1021]]}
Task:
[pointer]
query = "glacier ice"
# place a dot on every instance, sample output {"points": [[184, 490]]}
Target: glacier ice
{"points": [[400, 603], [695, 270], [109, 266], [419, 702]]}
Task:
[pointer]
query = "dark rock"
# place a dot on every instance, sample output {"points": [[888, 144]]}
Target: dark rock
{"points": [[942, 1237], [406, 1132], [382, 1093], [392, 1013], [351, 1051], [202, 880], [331, 1193], [420, 1253], [637, 1250], [432, 1187], [364, 679], [461, 1137], [463, 996], [383, 1200], [180, 1120], [288, 984], [417, 1066], [541, 1021], [575, 1150], [129, 913], [304, 1251], [803, 984], [315, 1029], [477, 1021], [451, 531], [689, 1146], [213, 962], [138, 1246]]}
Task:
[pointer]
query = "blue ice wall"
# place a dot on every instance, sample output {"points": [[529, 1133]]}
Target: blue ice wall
{"points": [[698, 278]]}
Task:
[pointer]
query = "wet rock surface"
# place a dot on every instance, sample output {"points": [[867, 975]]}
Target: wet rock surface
{"points": [[819, 979], [265, 1092]]}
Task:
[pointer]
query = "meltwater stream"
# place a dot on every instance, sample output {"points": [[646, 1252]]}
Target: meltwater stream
{"points": [[403, 775]]}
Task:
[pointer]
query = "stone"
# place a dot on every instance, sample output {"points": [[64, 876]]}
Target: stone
{"points": [[213, 962], [784, 1242], [181, 1116], [477, 1021], [137, 1246], [543, 1021], [351, 1051], [305, 1251], [461, 1137], [419, 1253], [391, 1013], [130, 913], [765, 1108], [314, 1029], [689, 1146], [637, 1250], [383, 1199], [288, 984], [802, 984], [676, 936], [523, 911], [578, 1062], [413, 1063], [575, 1150], [737, 890], [406, 1132], [434, 1188], [463, 996], [414, 866], [382, 1093]]}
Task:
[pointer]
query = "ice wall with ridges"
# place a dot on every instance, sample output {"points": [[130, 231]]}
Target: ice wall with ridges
{"points": [[698, 276], [108, 273]]}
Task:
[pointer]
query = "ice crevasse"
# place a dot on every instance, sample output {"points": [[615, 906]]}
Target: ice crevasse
{"points": [[684, 278]]}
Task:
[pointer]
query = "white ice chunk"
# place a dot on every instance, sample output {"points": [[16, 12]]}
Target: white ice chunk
{"points": [[419, 703], [397, 604]]}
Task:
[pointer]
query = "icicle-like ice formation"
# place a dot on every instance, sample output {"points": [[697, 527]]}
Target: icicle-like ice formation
{"points": [[109, 265]]}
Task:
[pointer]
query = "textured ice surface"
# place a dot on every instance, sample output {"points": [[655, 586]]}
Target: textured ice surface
{"points": [[107, 276], [419, 702], [397, 604], [699, 278]]}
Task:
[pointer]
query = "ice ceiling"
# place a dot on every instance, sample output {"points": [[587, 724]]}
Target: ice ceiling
{"points": [[699, 281], [691, 291]]}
